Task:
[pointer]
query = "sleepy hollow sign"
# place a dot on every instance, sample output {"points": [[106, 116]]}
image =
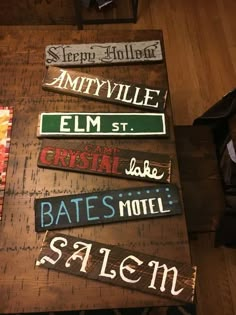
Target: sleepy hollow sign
{"points": [[103, 53], [86, 157], [118, 266], [57, 125], [73, 82], [105, 207]]}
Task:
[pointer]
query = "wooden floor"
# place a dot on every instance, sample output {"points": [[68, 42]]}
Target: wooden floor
{"points": [[200, 44]]}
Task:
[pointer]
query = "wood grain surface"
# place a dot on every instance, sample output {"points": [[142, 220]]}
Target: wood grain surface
{"points": [[118, 266], [103, 53], [24, 288], [200, 43], [74, 155], [77, 83], [106, 206]]}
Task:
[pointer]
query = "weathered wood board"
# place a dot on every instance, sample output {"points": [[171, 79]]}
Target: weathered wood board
{"points": [[106, 206], [6, 115], [118, 266], [103, 53], [61, 125], [76, 83], [79, 156]]}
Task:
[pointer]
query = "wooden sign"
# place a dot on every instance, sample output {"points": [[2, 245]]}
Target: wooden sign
{"points": [[118, 266], [6, 115], [60, 125], [103, 53], [78, 156], [73, 82], [106, 206]]}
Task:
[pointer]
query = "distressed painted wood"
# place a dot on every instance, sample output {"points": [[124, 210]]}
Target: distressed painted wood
{"points": [[57, 125], [76, 83], [24, 288], [6, 115], [103, 53], [103, 207], [118, 266], [78, 156]]}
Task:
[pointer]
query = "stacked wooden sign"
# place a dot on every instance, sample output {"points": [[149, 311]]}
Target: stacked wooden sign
{"points": [[82, 257], [6, 115]]}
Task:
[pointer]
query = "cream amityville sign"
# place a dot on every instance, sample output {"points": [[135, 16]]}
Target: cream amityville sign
{"points": [[106, 206], [76, 83], [103, 53], [87, 157], [101, 124], [118, 266]]}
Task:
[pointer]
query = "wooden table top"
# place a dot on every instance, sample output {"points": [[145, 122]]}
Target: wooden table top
{"points": [[23, 286]]}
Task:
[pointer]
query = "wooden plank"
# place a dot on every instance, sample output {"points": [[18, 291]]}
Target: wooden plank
{"points": [[25, 288], [76, 83], [118, 266], [230, 258], [202, 190], [213, 276], [6, 114], [78, 156], [61, 125], [106, 207], [103, 53]]}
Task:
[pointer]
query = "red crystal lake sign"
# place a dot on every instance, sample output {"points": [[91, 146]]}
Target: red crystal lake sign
{"points": [[76, 83], [87, 157], [118, 266], [103, 53], [106, 207], [60, 125]]}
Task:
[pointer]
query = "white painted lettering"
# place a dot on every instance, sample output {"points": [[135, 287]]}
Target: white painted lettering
{"points": [[122, 205], [110, 90], [82, 256], [115, 126], [135, 99], [59, 80], [90, 81], [99, 85], [152, 205], [64, 123], [145, 172], [144, 205], [103, 273], [72, 83], [124, 125], [96, 122], [147, 97], [130, 267], [164, 277], [55, 250], [161, 206], [82, 80], [136, 207], [127, 87], [77, 129], [121, 87]]}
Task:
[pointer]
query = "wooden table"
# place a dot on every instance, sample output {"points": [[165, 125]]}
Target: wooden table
{"points": [[24, 287]]}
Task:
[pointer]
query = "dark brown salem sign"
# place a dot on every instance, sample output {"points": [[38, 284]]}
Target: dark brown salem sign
{"points": [[79, 156], [106, 206], [103, 53], [73, 82], [118, 266]]}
